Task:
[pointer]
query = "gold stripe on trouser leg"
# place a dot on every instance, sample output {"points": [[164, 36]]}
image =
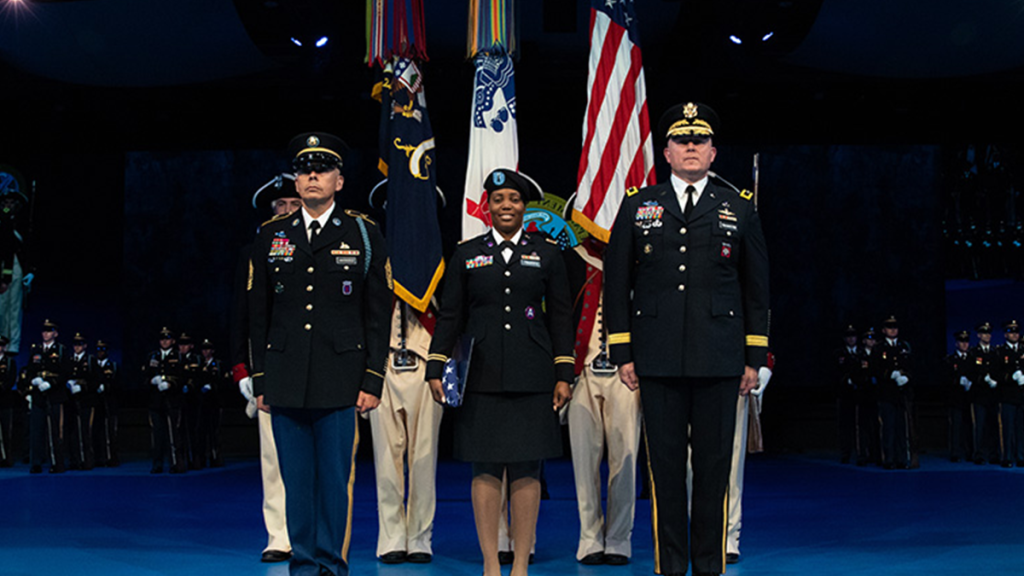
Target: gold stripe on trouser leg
{"points": [[351, 484], [725, 525], [654, 505]]}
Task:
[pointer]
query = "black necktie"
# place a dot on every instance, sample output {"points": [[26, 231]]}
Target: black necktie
{"points": [[507, 244], [690, 192], [314, 229]]}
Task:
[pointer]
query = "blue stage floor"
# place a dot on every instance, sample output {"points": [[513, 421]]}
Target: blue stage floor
{"points": [[803, 515]]}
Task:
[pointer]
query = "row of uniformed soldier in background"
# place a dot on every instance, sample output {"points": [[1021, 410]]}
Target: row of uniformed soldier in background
{"points": [[187, 393], [875, 398], [985, 387], [70, 397]]}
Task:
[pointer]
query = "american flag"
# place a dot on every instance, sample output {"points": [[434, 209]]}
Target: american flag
{"points": [[617, 146]]}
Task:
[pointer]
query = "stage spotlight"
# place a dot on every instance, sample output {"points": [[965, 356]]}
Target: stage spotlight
{"points": [[296, 42], [321, 42], [735, 39]]}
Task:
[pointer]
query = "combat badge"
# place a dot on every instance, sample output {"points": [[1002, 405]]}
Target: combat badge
{"points": [[725, 214], [648, 215], [479, 262], [530, 260]]}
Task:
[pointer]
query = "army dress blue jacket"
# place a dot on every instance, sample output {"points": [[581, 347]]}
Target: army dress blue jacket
{"points": [[319, 313], [687, 297], [519, 315]]}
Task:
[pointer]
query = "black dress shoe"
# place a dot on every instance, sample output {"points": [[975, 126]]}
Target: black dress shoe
{"points": [[593, 559], [275, 556], [506, 557], [419, 558], [393, 557], [616, 559], [732, 558], [36, 469]]}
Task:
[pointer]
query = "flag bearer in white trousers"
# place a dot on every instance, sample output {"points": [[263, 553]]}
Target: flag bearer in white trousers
{"points": [[405, 431]]}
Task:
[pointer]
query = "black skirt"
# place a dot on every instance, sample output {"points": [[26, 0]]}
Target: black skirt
{"points": [[507, 427]]}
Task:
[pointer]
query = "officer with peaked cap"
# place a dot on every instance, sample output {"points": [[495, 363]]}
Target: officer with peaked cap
{"points": [[686, 302], [104, 427], [163, 374], [1010, 393], [957, 382], [893, 397], [280, 197], [80, 381], [984, 403], [319, 303], [847, 362], [47, 365], [868, 439]]}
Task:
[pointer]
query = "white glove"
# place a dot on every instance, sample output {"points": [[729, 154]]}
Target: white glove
{"points": [[156, 380], [75, 388], [895, 375], [43, 386], [245, 387], [37, 381], [250, 409], [990, 381], [99, 389], [965, 382], [29, 400], [764, 374], [1018, 376], [163, 385], [902, 381], [207, 388]]}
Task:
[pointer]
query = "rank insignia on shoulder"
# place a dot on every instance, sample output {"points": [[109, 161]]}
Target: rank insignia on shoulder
{"points": [[632, 191], [746, 194]]}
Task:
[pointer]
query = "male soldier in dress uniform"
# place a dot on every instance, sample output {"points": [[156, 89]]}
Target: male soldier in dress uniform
{"points": [[405, 432], [869, 441], [280, 196], [48, 363], [603, 414], [984, 404], [892, 399], [319, 301], [209, 382], [1011, 395], [78, 409], [847, 360], [104, 425], [164, 373], [10, 401], [957, 381], [686, 301], [191, 399]]}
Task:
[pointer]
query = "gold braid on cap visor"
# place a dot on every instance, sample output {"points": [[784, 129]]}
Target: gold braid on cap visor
{"points": [[685, 128]]}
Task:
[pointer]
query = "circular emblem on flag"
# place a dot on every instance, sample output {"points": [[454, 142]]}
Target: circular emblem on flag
{"points": [[312, 141], [546, 216], [498, 178]]}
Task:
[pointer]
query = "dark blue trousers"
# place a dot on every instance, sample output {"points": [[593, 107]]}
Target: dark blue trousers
{"points": [[316, 451]]}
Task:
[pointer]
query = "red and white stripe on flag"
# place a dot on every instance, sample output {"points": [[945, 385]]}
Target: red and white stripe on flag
{"points": [[617, 148]]}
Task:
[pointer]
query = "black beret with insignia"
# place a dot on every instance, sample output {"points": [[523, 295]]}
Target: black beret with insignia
{"points": [[316, 149], [505, 178], [689, 119]]}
